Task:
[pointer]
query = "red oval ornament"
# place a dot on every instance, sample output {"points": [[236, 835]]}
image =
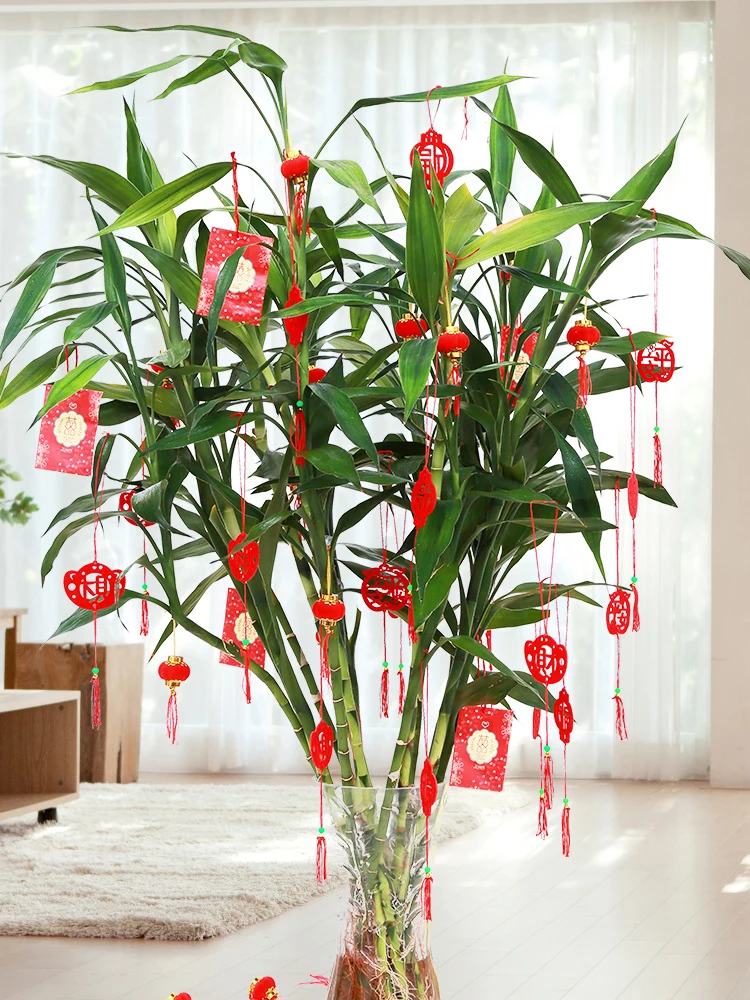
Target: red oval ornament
{"points": [[262, 989], [321, 745], [295, 168], [94, 586], [125, 505], [656, 363], [174, 670], [618, 612], [433, 153], [564, 716], [428, 787], [409, 327], [423, 498], [316, 374], [385, 588], [633, 494], [546, 659], [244, 561], [583, 336], [295, 326]]}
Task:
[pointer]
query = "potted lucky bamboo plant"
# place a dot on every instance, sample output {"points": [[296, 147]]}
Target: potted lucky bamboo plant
{"points": [[494, 449]]}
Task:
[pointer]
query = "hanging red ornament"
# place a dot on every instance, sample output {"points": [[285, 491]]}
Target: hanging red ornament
{"points": [[536, 721], [125, 506], [67, 433], [328, 609], [423, 498], [583, 336], [294, 168], [315, 374], [244, 299], [435, 155], [656, 363], [94, 586], [428, 787], [243, 559], [546, 659], [409, 327], [452, 343], [263, 989], [618, 619], [321, 745], [179, 996], [480, 755], [563, 716], [618, 612], [385, 588], [295, 326], [522, 362], [173, 671], [240, 630]]}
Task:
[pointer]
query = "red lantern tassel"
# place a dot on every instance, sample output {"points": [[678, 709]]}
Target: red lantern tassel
{"points": [[96, 707], [325, 666], [454, 378], [620, 725], [536, 721], [658, 469], [321, 860], [246, 680], [584, 383], [541, 829], [548, 782], [636, 613], [566, 831], [401, 689], [172, 718], [299, 211], [298, 437], [412, 627], [144, 617], [384, 685], [427, 897]]}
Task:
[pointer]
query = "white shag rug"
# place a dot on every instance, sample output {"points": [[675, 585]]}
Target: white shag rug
{"points": [[181, 862]]}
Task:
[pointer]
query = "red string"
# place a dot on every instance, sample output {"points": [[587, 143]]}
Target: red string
{"points": [[633, 480], [438, 86], [236, 189], [465, 133], [620, 724]]}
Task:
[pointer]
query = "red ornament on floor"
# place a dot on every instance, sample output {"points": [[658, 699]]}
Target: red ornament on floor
{"points": [[179, 996], [67, 433], [243, 562], [618, 612], [125, 505], [409, 327], [385, 588], [480, 755], [435, 155], [244, 300], [583, 336], [262, 989], [546, 659], [94, 586]]}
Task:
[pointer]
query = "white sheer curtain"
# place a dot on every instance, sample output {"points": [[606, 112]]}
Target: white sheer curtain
{"points": [[611, 84]]}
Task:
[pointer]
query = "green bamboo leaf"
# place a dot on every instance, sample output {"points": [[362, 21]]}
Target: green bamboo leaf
{"points": [[435, 594], [508, 618], [334, 461], [223, 283], [133, 77], [458, 90], [563, 396], [325, 230], [201, 29], [646, 486], [82, 616], [77, 378], [265, 60], [347, 416], [88, 318], [622, 346], [115, 278], [425, 253], [136, 155], [349, 174], [211, 66], [157, 203], [643, 183], [102, 455], [36, 373], [81, 505], [480, 652], [181, 279], [415, 359], [526, 595], [30, 299], [495, 688], [114, 189], [502, 149], [67, 532], [582, 494], [434, 539], [462, 217], [173, 357]]}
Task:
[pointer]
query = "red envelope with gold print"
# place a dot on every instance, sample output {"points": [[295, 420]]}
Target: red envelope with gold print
{"points": [[244, 300], [237, 627], [480, 753], [67, 433]]}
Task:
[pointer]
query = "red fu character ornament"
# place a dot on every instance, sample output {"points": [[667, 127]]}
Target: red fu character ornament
{"points": [[583, 336], [173, 671], [435, 156], [564, 722], [239, 629], [452, 343], [294, 169], [657, 364]]}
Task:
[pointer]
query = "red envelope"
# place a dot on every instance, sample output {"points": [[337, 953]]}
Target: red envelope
{"points": [[480, 754], [67, 433], [244, 300], [238, 626]]}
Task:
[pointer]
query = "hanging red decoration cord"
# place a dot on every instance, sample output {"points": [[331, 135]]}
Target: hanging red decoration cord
{"points": [[563, 715], [452, 343], [294, 169], [401, 678], [583, 336], [428, 790], [328, 609], [435, 155], [633, 478], [423, 500], [144, 584], [618, 622], [173, 671]]}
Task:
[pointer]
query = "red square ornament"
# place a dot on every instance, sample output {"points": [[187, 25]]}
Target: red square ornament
{"points": [[237, 627], [244, 300], [67, 433], [480, 755]]}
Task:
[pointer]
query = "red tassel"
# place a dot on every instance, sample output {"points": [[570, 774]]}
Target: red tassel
{"points": [[299, 211], [172, 716], [548, 782], [633, 494], [566, 831], [401, 691], [427, 897], [298, 437], [321, 860], [584, 383], [454, 378], [541, 829], [96, 707], [410, 621], [325, 666], [246, 680], [658, 469], [384, 692], [144, 617], [620, 725], [636, 619], [536, 721]]}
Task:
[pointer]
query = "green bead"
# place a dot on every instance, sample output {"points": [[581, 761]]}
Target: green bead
{"points": [[300, 404], [634, 579], [409, 588], [565, 802], [656, 430], [385, 664], [144, 587], [546, 749], [427, 870], [321, 829], [245, 642], [541, 793], [400, 666], [617, 690], [95, 671]]}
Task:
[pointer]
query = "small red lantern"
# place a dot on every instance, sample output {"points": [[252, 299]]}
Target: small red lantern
{"points": [[263, 989], [656, 363], [385, 588], [295, 167], [94, 586], [295, 325], [316, 374], [321, 745], [428, 787], [583, 336], [434, 155], [423, 498], [564, 715], [409, 327], [179, 996], [173, 671], [243, 559], [329, 609], [618, 612], [546, 659], [125, 505], [452, 343]]}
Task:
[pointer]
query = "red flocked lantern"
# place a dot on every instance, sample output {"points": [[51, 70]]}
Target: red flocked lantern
{"points": [[316, 374], [385, 588], [243, 559], [295, 168], [173, 671], [546, 659], [583, 336], [125, 505], [435, 155], [328, 609], [94, 586], [321, 745], [409, 327], [423, 498], [262, 989], [452, 343], [295, 326], [618, 612], [563, 716]]}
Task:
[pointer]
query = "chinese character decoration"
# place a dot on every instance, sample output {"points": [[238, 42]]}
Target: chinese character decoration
{"points": [[520, 360], [263, 989], [480, 756], [428, 794], [618, 618], [452, 343], [321, 751], [633, 479], [67, 433], [657, 364], [243, 302], [173, 671], [583, 336], [435, 156], [240, 630], [563, 714]]}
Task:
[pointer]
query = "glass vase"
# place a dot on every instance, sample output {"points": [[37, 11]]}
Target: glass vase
{"points": [[384, 954]]}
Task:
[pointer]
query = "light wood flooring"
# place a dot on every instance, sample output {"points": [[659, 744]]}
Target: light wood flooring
{"points": [[653, 904]]}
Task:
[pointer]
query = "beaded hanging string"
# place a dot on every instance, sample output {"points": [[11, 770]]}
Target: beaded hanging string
{"points": [[401, 678], [658, 462], [620, 724], [384, 524], [424, 494], [96, 704], [242, 464], [428, 788], [633, 478], [565, 726]]}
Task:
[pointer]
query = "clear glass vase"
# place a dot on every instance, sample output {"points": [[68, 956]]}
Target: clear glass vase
{"points": [[385, 952]]}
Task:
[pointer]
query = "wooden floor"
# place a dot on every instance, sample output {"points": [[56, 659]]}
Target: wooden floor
{"points": [[652, 905]]}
